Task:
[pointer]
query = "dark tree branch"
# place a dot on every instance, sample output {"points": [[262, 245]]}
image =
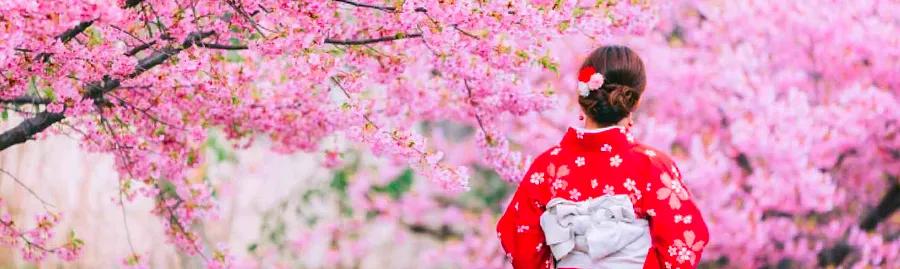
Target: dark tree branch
{"points": [[373, 40], [221, 46], [138, 49], [442, 233], [27, 99], [382, 8], [95, 90], [28, 128], [65, 37], [834, 255], [464, 32], [71, 33], [132, 3], [744, 162], [80, 28], [885, 208], [237, 8], [376, 7], [889, 203]]}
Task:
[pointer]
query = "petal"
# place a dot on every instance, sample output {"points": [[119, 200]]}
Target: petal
{"points": [[674, 203], [663, 193], [596, 81], [585, 73], [563, 171], [698, 246], [689, 237], [665, 179]]}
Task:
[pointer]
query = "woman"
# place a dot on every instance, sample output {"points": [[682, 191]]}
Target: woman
{"points": [[599, 199]]}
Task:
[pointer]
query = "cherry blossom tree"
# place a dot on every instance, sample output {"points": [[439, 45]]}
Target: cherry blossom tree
{"points": [[145, 80]]}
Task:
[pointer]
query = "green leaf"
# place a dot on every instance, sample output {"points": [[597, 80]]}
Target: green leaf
{"points": [[233, 57], [94, 37], [76, 242], [548, 63], [4, 115], [577, 12], [48, 92], [523, 54], [192, 157], [167, 188], [277, 233], [340, 182], [563, 26], [397, 187], [221, 151]]}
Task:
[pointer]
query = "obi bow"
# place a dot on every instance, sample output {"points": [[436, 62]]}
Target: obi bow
{"points": [[595, 228]]}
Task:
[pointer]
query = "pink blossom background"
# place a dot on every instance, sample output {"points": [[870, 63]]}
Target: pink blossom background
{"points": [[783, 116]]}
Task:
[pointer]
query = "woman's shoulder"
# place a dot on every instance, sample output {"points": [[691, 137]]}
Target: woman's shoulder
{"points": [[652, 157], [548, 155]]}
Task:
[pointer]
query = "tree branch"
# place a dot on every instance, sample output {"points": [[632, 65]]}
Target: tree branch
{"points": [[885, 208], [382, 8], [28, 128], [138, 49], [80, 28], [27, 99], [221, 46], [372, 40], [132, 3], [443, 233], [834, 255], [44, 203], [889, 203], [95, 90], [744, 162], [71, 33]]}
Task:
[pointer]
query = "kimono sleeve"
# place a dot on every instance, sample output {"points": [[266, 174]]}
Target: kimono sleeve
{"points": [[677, 229], [519, 228]]}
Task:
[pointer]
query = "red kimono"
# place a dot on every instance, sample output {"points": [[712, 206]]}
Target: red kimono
{"points": [[592, 163]]}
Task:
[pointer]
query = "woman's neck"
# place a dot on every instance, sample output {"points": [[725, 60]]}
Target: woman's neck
{"points": [[590, 124]]}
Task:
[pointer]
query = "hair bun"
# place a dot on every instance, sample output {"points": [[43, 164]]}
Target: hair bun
{"points": [[621, 97], [623, 82]]}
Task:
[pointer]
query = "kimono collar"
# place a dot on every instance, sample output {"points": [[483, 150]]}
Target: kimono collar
{"points": [[597, 138]]}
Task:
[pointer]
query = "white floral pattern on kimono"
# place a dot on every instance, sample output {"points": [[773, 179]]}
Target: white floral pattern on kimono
{"points": [[588, 164]]}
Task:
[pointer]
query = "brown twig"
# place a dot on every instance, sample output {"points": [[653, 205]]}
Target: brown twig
{"points": [[33, 193], [371, 40]]}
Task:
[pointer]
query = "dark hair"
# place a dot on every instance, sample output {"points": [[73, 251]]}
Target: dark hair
{"points": [[624, 81]]}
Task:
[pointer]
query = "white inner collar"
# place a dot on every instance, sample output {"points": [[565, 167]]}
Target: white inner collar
{"points": [[598, 130]]}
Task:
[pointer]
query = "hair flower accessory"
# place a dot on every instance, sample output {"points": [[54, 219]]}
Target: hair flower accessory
{"points": [[588, 80]]}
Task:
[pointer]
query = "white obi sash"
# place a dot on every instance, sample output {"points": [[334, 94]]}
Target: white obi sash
{"points": [[601, 232]]}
